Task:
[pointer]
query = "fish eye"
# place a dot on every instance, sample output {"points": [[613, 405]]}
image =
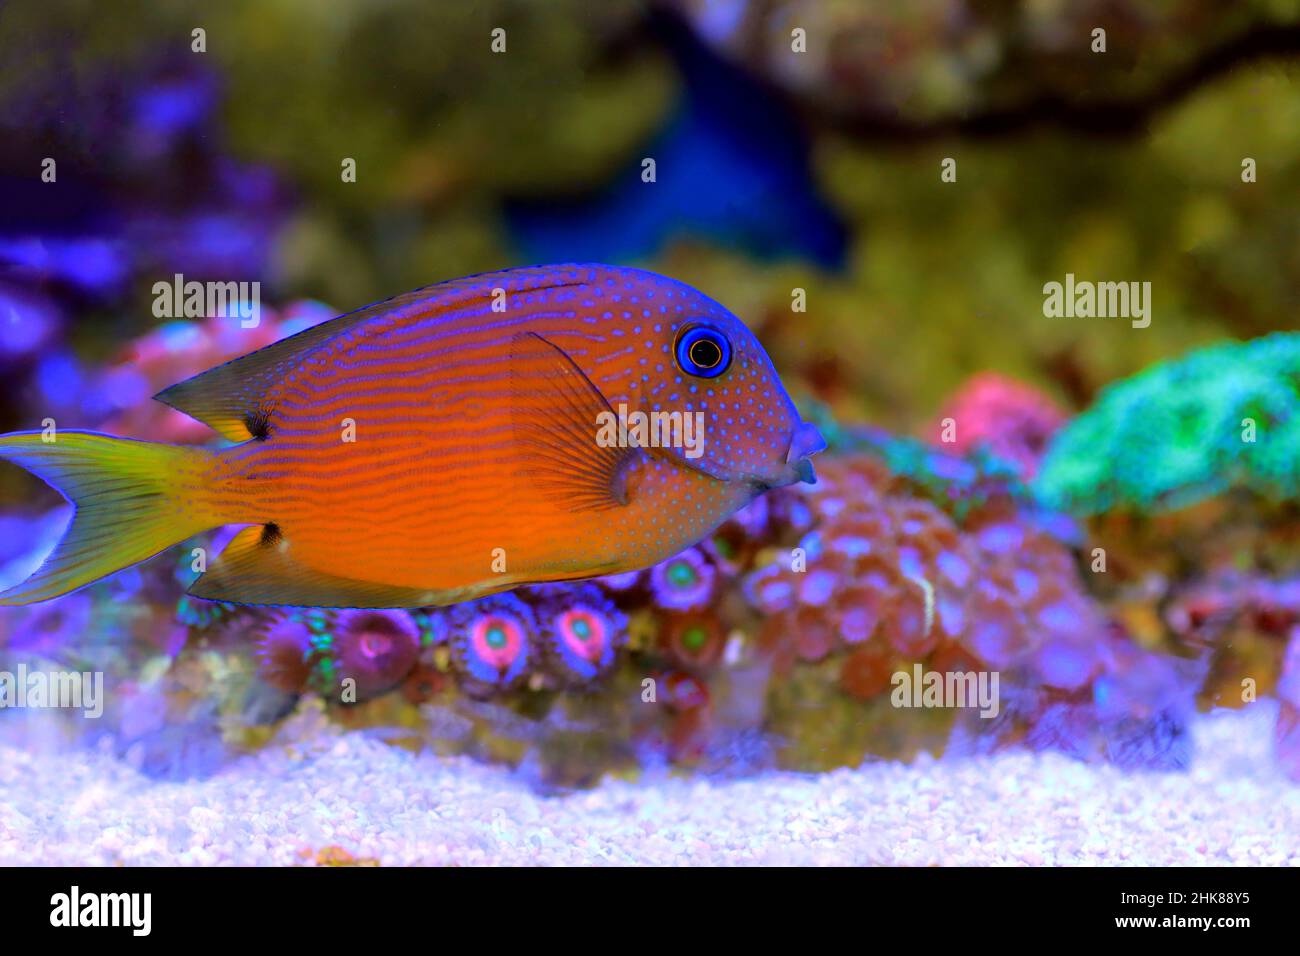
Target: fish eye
{"points": [[702, 351]]}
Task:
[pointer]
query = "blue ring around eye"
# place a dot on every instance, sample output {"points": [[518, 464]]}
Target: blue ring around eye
{"points": [[702, 351]]}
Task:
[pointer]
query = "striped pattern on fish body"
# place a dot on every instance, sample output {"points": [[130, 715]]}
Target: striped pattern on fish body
{"points": [[443, 444]]}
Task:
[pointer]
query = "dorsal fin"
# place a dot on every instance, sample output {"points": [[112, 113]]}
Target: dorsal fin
{"points": [[230, 398]]}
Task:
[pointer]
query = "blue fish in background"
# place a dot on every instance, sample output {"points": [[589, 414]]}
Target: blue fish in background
{"points": [[731, 166]]}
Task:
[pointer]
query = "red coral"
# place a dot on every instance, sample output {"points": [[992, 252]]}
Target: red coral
{"points": [[693, 639], [1014, 420], [284, 652], [890, 579]]}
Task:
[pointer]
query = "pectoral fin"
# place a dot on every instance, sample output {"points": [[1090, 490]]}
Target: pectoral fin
{"points": [[557, 416]]}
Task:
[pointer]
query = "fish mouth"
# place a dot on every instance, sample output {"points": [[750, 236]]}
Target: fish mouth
{"points": [[805, 441]]}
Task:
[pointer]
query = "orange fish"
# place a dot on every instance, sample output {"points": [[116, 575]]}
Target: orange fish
{"points": [[531, 425]]}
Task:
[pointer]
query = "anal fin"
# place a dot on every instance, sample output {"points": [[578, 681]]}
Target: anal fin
{"points": [[258, 567]]}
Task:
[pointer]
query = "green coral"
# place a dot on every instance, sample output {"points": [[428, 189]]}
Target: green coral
{"points": [[1180, 432], [202, 614]]}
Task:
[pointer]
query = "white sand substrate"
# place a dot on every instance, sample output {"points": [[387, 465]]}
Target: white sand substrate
{"points": [[301, 796]]}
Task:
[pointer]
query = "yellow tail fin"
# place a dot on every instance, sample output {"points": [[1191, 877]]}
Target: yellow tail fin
{"points": [[132, 499]]}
